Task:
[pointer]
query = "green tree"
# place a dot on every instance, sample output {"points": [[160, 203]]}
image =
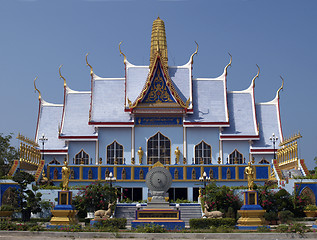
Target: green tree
{"points": [[7, 154], [29, 200]]}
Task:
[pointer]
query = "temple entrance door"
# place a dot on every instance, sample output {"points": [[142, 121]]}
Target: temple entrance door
{"points": [[177, 193]]}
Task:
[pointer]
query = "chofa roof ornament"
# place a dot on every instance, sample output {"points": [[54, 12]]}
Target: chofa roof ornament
{"points": [[40, 96]]}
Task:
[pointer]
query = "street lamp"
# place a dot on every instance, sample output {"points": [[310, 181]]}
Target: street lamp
{"points": [[110, 179], [274, 140], [43, 139], [204, 179]]}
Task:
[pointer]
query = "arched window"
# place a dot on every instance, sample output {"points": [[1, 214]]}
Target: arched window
{"points": [[264, 161], [82, 158], [158, 149], [235, 157], [115, 153], [202, 153]]}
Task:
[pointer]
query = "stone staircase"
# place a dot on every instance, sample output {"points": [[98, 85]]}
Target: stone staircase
{"points": [[188, 211]]}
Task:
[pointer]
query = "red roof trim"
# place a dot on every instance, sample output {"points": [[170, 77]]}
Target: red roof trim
{"points": [[54, 151], [111, 123], [239, 136], [206, 123], [38, 119], [263, 150]]}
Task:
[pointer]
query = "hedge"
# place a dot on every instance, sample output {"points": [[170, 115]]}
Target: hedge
{"points": [[206, 223], [115, 223]]}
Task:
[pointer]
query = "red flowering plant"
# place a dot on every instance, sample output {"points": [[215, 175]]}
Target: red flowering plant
{"points": [[300, 200], [222, 199], [94, 197]]}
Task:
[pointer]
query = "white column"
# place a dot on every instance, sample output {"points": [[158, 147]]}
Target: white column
{"points": [[184, 145], [220, 147], [132, 143], [190, 194], [97, 151]]}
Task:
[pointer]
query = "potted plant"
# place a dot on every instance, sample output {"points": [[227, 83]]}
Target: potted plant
{"points": [[6, 210], [310, 210]]}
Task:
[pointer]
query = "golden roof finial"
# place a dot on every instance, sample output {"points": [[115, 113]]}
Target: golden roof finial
{"points": [[256, 76], [158, 42], [91, 71], [278, 91], [229, 64], [40, 96], [192, 56], [60, 75], [121, 53]]}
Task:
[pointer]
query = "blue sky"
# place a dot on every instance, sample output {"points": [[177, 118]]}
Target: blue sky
{"points": [[37, 36]]}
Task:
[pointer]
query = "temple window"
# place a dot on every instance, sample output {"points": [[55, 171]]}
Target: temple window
{"points": [[264, 161], [82, 158], [235, 157], [158, 149], [202, 153], [115, 153]]}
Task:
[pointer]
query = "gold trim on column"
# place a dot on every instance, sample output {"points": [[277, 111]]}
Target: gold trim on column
{"points": [[81, 172]]}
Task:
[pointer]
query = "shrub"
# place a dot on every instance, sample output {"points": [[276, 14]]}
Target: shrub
{"points": [[94, 197], [263, 229], [310, 207], [206, 223], [6, 208], [270, 216], [293, 228], [150, 228], [118, 223], [221, 198], [285, 216]]}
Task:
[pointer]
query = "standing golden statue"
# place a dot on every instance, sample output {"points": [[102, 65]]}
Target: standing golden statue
{"points": [[177, 153], [250, 175], [65, 176], [140, 153]]}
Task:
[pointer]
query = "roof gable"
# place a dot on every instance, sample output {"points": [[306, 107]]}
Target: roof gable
{"points": [[158, 90]]}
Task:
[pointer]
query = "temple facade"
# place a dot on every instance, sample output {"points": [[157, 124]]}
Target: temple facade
{"points": [[162, 113]]}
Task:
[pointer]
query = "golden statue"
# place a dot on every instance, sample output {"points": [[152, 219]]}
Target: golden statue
{"points": [[250, 175], [177, 153], [65, 176], [200, 193], [140, 153]]}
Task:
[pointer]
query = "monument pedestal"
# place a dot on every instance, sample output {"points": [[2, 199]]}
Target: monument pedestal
{"points": [[251, 212], [64, 213], [158, 211]]}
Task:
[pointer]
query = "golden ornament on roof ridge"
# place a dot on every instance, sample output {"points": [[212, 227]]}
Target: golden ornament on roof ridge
{"points": [[40, 96]]}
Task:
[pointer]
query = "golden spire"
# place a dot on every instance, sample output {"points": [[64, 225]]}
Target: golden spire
{"points": [[91, 71], [158, 42], [60, 75], [256, 76], [121, 53], [278, 91], [37, 89], [229, 64]]}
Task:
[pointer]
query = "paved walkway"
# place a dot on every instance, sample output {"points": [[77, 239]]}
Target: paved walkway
{"points": [[20, 235]]}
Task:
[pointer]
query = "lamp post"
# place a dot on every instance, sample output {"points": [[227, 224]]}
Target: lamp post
{"points": [[43, 139], [273, 140], [110, 179], [204, 179]]}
